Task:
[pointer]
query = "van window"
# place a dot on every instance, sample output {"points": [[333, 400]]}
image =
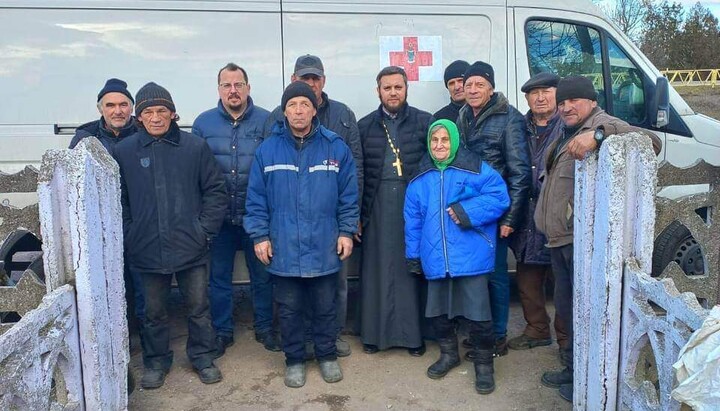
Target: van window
{"points": [[628, 93], [566, 49], [572, 49]]}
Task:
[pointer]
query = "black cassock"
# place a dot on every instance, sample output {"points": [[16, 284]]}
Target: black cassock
{"points": [[391, 307]]}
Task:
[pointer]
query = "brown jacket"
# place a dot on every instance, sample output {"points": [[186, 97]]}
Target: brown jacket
{"points": [[554, 212]]}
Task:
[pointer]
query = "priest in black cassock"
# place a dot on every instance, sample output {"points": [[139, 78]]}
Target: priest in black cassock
{"points": [[394, 141]]}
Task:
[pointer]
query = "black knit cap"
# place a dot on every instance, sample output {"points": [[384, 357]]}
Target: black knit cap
{"points": [[482, 69], [298, 89], [151, 95], [575, 87], [540, 80], [115, 85], [455, 69]]}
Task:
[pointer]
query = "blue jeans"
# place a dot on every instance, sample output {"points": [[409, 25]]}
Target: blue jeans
{"points": [[293, 295], [222, 253], [499, 287], [200, 346]]}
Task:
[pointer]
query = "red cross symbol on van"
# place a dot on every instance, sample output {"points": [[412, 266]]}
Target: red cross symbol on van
{"points": [[411, 59]]}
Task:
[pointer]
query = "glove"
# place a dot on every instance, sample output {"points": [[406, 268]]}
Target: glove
{"points": [[414, 266]]}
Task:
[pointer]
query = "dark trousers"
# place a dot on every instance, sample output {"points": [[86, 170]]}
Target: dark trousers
{"points": [[481, 332], [562, 265], [340, 303], [292, 295], [531, 285], [200, 348], [222, 251], [499, 287], [134, 296]]}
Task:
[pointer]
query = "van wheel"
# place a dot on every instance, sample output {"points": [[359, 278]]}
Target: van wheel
{"points": [[677, 244]]}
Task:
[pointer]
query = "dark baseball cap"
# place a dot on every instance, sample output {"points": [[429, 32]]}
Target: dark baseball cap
{"points": [[309, 64]]}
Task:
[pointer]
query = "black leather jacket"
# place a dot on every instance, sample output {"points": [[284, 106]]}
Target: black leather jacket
{"points": [[497, 135]]}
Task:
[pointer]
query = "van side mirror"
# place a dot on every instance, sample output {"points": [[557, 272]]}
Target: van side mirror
{"points": [[661, 103]]}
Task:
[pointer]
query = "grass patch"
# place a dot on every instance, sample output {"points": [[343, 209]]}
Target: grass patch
{"points": [[702, 99]]}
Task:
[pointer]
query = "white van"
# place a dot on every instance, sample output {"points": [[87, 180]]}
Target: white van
{"points": [[55, 56]]}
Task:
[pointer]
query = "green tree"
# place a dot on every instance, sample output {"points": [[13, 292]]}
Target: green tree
{"points": [[660, 39], [700, 39]]}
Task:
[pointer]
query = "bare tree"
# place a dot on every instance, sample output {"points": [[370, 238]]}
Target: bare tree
{"points": [[629, 15]]}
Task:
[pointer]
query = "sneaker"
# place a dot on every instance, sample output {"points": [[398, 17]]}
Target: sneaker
{"points": [[210, 375], [566, 392], [152, 378], [221, 343], [370, 348], [330, 371], [295, 375], [523, 342], [269, 340], [555, 379], [342, 347]]}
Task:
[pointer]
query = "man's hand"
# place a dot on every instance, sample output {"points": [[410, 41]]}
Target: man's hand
{"points": [[582, 144], [505, 231], [264, 252], [453, 216], [344, 247], [357, 236]]}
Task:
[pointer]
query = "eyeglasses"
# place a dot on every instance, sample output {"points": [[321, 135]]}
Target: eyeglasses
{"points": [[229, 86]]}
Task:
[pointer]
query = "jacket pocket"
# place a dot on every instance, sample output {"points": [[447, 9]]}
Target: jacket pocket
{"points": [[200, 235], [564, 197]]}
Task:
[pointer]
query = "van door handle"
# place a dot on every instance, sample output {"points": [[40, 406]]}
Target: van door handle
{"points": [[673, 140]]}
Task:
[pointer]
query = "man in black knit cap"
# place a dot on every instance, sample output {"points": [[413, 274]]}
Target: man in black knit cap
{"points": [[454, 83], [174, 202], [585, 127]]}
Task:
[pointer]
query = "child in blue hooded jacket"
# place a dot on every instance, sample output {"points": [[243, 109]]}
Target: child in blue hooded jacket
{"points": [[452, 206]]}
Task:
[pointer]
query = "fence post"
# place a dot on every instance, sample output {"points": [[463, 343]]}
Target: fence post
{"points": [[81, 218], [614, 208]]}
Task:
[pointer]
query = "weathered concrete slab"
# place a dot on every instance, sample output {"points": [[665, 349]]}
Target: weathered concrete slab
{"points": [[24, 181], [657, 319], [40, 359], [621, 192], [707, 286], [81, 216], [25, 296], [12, 218]]}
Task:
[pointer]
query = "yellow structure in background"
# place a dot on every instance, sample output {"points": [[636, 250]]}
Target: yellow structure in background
{"points": [[702, 77]]}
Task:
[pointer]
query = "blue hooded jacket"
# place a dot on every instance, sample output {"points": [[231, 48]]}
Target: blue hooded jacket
{"points": [[479, 197], [302, 196]]}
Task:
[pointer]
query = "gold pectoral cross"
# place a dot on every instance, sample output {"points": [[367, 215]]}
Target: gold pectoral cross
{"points": [[398, 165]]}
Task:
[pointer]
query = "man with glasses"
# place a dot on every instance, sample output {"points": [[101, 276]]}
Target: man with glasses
{"points": [[233, 130], [339, 118], [174, 199]]}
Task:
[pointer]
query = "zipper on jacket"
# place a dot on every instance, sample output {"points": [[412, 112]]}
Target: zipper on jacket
{"points": [[442, 221], [485, 236]]}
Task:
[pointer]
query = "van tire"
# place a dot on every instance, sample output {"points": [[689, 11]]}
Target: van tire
{"points": [[676, 243]]}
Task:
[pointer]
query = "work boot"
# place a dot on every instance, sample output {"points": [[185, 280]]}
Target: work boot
{"points": [[417, 351], [523, 342], [269, 340], [152, 378], [484, 370], [221, 343], [295, 375], [330, 371], [449, 358], [566, 392], [555, 379], [342, 347], [210, 375], [501, 347]]}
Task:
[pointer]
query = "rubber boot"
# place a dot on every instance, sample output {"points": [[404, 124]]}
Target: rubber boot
{"points": [[449, 358], [484, 372]]}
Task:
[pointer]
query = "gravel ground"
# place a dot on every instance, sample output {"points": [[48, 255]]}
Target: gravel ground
{"points": [[390, 380]]}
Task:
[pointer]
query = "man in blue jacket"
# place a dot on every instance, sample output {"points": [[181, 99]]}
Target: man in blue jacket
{"points": [[174, 200], [233, 130], [302, 211], [340, 119]]}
